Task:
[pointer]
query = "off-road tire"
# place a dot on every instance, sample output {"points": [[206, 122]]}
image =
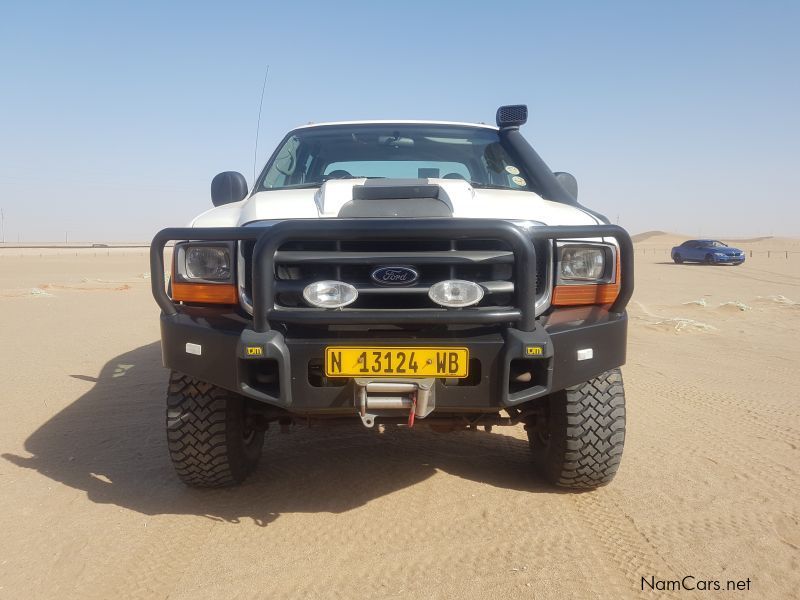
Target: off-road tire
{"points": [[580, 444], [208, 438]]}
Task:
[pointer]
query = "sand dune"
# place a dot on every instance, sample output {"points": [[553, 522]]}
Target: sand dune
{"points": [[643, 237], [708, 484]]}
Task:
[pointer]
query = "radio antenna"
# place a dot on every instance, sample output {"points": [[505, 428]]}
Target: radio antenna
{"points": [[258, 125]]}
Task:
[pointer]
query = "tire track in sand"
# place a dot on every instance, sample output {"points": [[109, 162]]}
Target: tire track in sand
{"points": [[626, 548]]}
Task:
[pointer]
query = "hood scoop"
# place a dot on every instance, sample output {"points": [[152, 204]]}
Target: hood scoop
{"points": [[410, 198]]}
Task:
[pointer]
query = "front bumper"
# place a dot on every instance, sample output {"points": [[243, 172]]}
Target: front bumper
{"points": [[729, 260], [280, 371], [256, 358]]}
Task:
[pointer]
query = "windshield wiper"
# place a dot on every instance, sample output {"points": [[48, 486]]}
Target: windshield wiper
{"points": [[299, 186], [302, 186], [488, 186]]}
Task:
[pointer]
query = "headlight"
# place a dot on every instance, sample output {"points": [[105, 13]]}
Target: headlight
{"points": [[330, 294], [583, 263], [208, 262], [455, 293], [198, 262], [719, 254]]}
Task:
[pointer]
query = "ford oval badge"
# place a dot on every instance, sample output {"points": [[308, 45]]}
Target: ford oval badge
{"points": [[395, 276]]}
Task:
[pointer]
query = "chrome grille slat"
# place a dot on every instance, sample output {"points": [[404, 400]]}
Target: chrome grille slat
{"points": [[369, 258], [283, 286], [487, 262]]}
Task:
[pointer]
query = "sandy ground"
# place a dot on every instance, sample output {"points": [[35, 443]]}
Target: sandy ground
{"points": [[708, 486]]}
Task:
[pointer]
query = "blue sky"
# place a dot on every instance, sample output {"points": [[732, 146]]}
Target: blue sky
{"points": [[675, 115]]}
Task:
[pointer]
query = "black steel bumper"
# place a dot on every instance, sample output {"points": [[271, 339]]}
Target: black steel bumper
{"points": [[256, 359], [279, 373]]}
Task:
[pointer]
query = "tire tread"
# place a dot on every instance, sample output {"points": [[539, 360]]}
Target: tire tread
{"points": [[586, 429], [595, 432], [197, 423]]}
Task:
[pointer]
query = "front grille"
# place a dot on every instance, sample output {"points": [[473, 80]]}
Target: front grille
{"points": [[487, 262]]}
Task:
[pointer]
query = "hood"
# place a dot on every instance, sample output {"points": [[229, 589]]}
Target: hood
{"points": [[727, 251], [326, 201]]}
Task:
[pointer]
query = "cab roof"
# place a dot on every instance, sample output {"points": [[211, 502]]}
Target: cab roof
{"points": [[397, 122]]}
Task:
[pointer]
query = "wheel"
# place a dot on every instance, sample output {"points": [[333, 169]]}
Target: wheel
{"points": [[209, 440], [579, 443], [709, 259], [678, 259]]}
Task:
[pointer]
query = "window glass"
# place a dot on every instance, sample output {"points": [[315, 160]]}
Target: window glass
{"points": [[311, 156], [400, 169], [284, 165]]}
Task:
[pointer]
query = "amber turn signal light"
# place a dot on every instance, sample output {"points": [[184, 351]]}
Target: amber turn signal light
{"points": [[575, 295], [205, 293]]}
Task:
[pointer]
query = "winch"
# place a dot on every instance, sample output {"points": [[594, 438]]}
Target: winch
{"points": [[384, 397]]}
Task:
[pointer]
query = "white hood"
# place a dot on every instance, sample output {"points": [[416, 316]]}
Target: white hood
{"points": [[325, 202]]}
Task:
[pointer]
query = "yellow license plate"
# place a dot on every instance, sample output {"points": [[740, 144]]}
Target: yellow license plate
{"points": [[396, 362]]}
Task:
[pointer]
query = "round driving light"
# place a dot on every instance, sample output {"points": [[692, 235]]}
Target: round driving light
{"points": [[330, 294], [455, 293]]}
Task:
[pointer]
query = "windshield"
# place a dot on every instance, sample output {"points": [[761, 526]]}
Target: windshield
{"points": [[309, 157]]}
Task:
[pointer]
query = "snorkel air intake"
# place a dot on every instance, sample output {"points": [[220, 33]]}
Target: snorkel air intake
{"points": [[512, 115], [509, 119]]}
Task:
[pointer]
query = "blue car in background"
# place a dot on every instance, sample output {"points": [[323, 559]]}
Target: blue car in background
{"points": [[710, 252]]}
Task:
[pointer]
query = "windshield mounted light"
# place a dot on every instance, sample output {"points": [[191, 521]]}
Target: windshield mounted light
{"points": [[330, 294], [455, 293]]}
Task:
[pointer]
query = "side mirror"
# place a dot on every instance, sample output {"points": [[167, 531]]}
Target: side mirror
{"points": [[568, 182], [227, 187]]}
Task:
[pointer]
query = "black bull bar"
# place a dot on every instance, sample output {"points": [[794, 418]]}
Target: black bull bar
{"points": [[269, 239]]}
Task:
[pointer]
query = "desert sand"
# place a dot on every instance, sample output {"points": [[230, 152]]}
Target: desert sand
{"points": [[708, 486]]}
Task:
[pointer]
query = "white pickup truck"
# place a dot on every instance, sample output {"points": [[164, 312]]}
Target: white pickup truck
{"points": [[402, 273]]}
